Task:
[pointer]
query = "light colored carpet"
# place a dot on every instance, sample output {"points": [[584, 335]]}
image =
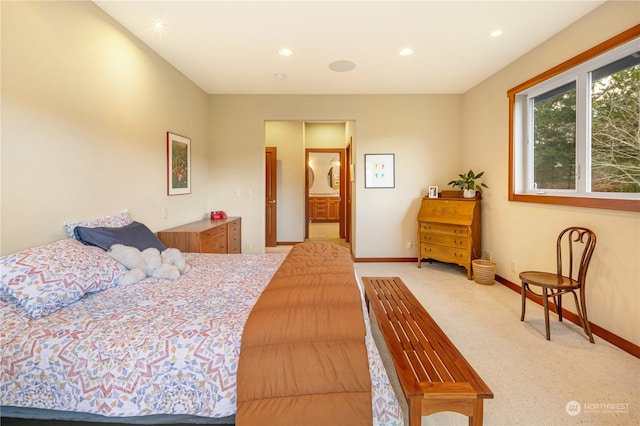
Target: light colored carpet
{"points": [[533, 380]]}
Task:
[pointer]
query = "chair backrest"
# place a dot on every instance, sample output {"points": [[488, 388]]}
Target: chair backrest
{"points": [[578, 244]]}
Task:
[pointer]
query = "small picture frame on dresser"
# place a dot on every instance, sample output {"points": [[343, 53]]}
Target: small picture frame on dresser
{"points": [[433, 192]]}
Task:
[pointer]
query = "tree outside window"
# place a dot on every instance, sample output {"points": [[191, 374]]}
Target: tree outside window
{"points": [[615, 127]]}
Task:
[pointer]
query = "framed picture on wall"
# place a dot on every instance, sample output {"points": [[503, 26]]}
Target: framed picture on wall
{"points": [[379, 171], [178, 164]]}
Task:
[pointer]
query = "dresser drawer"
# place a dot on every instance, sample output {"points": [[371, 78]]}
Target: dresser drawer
{"points": [[444, 229], [234, 242], [444, 253], [445, 239], [211, 233], [214, 240], [233, 228], [216, 244]]}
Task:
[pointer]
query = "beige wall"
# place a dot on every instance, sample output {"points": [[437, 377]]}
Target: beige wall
{"points": [[85, 111], [525, 233], [288, 138], [423, 131], [324, 135]]}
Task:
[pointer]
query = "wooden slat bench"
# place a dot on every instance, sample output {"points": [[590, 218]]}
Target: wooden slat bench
{"points": [[433, 374]]}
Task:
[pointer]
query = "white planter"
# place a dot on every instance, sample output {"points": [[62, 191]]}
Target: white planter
{"points": [[469, 193]]}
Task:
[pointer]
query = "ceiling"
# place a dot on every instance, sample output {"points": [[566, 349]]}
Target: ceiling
{"points": [[231, 47]]}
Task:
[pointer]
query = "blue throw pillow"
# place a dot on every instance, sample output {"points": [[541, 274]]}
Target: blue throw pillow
{"points": [[135, 235]]}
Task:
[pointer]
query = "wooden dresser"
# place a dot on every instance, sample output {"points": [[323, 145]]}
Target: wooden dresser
{"points": [[449, 231], [205, 236]]}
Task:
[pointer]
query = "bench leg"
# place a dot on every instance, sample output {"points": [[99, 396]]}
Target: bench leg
{"points": [[415, 411], [476, 419]]}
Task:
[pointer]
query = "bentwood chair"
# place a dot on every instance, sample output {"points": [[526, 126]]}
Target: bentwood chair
{"points": [[577, 245]]}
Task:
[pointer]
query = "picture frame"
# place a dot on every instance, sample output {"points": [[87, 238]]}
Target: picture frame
{"points": [[433, 192], [379, 171], [178, 164]]}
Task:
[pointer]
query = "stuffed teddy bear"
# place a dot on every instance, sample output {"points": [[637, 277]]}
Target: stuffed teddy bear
{"points": [[169, 264]]}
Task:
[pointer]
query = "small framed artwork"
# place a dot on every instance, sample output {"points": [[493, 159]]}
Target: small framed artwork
{"points": [[379, 171], [433, 192], [178, 164]]}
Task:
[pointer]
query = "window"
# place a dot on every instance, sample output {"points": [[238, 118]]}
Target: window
{"points": [[575, 130]]}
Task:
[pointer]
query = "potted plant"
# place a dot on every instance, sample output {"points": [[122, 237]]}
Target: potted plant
{"points": [[467, 182]]}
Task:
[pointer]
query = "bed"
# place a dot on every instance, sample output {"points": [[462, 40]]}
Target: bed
{"points": [[157, 351]]}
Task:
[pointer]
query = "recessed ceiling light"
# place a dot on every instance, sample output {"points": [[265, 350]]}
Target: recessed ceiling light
{"points": [[285, 51], [280, 75], [407, 51], [159, 25], [496, 33], [342, 66]]}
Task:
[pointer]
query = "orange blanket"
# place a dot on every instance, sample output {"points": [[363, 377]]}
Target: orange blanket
{"points": [[303, 358]]}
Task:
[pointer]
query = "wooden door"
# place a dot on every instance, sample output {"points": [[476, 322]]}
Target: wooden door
{"points": [[271, 216]]}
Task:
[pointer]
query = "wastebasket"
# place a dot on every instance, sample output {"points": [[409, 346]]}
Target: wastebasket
{"points": [[484, 271]]}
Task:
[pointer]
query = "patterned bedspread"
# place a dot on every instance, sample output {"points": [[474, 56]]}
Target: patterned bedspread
{"points": [[155, 347]]}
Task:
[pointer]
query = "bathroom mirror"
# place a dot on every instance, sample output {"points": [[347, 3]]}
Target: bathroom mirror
{"points": [[333, 177], [327, 166], [311, 176]]}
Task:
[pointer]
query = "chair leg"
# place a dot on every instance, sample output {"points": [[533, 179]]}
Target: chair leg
{"points": [[559, 307], [523, 291], [586, 323], [545, 302], [582, 314]]}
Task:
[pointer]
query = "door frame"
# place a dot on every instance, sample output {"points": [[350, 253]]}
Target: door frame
{"points": [[348, 190]]}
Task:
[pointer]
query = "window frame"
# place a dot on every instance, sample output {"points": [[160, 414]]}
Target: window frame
{"points": [[516, 174]]}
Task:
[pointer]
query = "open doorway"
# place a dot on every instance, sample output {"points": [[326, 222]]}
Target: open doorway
{"points": [[292, 138], [325, 193]]}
